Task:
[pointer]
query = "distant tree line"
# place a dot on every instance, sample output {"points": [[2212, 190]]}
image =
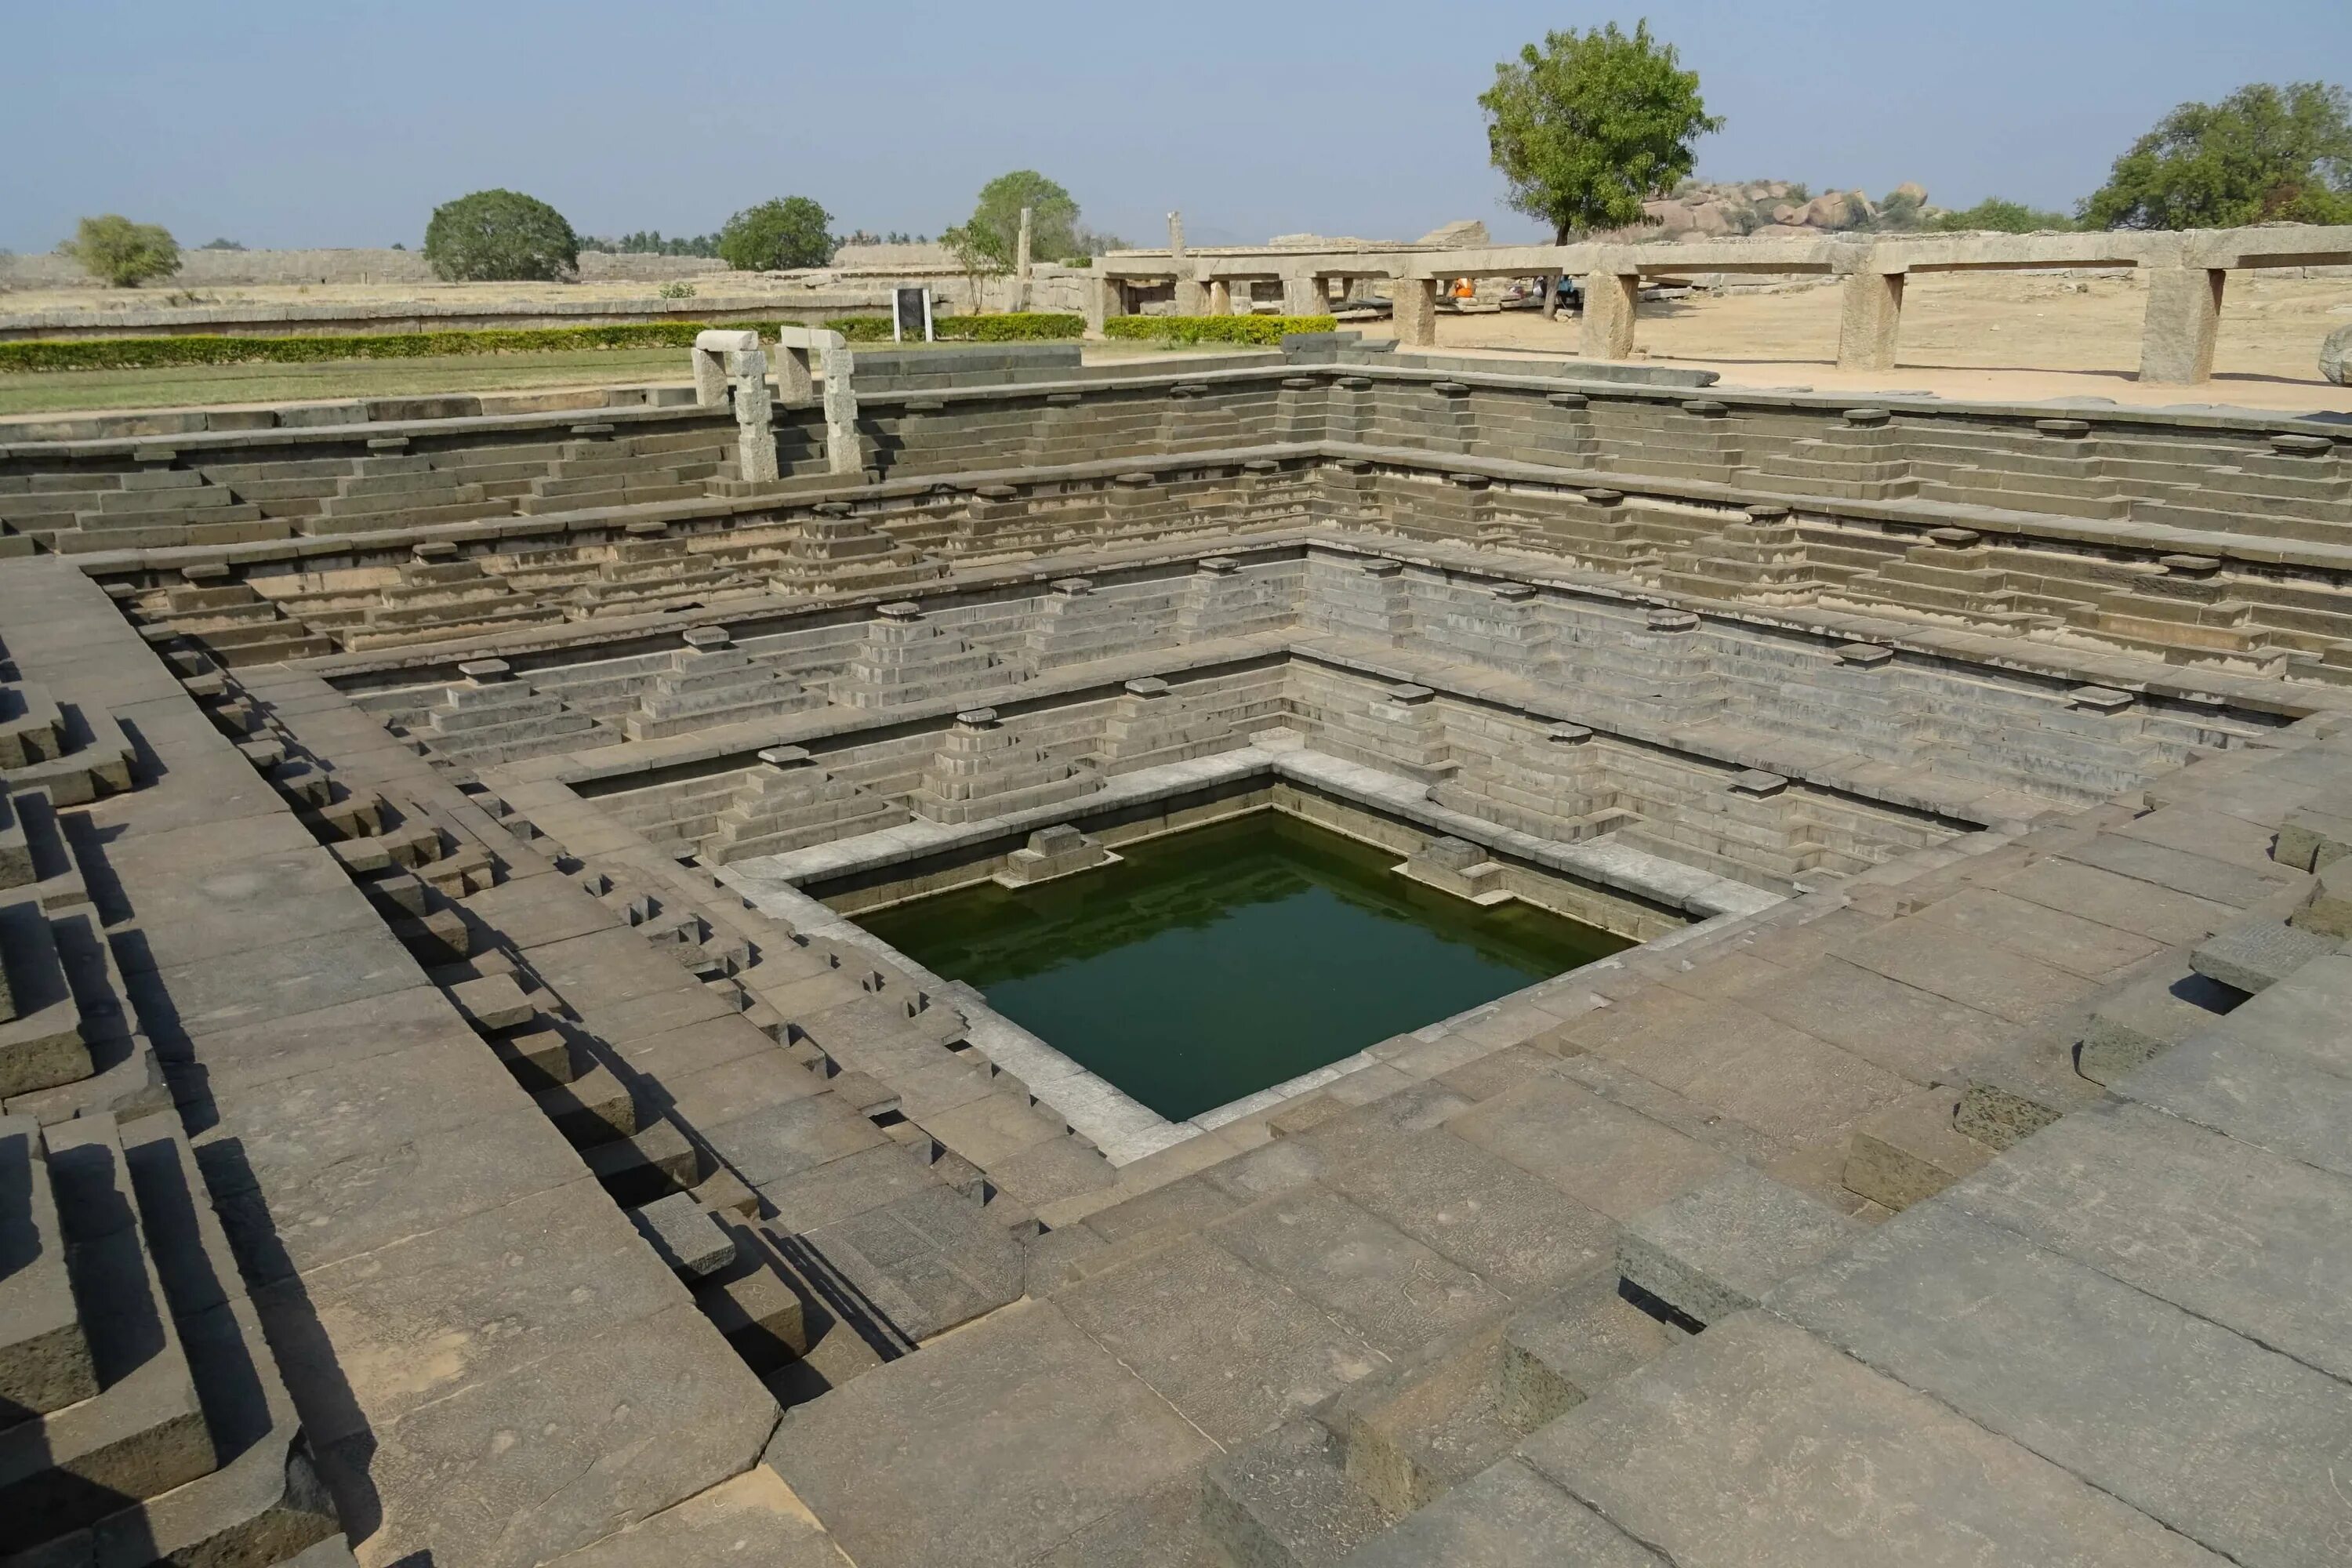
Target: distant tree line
{"points": [[653, 242]]}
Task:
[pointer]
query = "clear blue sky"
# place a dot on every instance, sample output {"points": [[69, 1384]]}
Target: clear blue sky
{"points": [[333, 123]]}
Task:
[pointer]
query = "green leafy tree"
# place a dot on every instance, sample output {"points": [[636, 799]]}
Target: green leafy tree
{"points": [[124, 253], [499, 235], [2262, 155], [2000, 217], [778, 235], [1591, 124], [979, 251], [1052, 216]]}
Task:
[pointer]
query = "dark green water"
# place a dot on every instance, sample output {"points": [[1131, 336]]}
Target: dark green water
{"points": [[1211, 963]]}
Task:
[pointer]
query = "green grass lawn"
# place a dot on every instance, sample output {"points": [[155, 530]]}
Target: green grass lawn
{"points": [[79, 391], [57, 392]]}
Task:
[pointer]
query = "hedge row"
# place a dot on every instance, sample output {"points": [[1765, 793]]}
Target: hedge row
{"points": [[1011, 327], [1262, 332], [155, 353]]}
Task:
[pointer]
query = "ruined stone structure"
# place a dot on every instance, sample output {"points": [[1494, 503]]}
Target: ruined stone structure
{"points": [[448, 1110]]}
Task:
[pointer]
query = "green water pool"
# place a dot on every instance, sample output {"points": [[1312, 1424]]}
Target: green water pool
{"points": [[1210, 963]]}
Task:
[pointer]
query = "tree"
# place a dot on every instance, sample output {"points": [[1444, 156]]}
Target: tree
{"points": [[1052, 216], [124, 253], [1591, 125], [499, 235], [978, 252], [2262, 155], [1999, 216], [778, 235]]}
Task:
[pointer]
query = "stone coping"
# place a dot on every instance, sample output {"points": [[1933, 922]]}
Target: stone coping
{"points": [[2270, 244], [1150, 373], [1123, 1127]]}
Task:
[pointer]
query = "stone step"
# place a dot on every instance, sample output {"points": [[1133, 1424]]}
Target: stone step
{"points": [[1410, 1436], [264, 1501], [144, 1431], [1566, 1348], [1286, 1501], [41, 1039], [2145, 1017], [594, 1108], [45, 1356], [1718, 1249]]}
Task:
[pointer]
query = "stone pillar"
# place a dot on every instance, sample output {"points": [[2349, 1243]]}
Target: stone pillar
{"points": [[755, 417], [2175, 338], [1610, 299], [1102, 302], [1870, 321], [1021, 263], [1221, 297], [1302, 295], [844, 454], [711, 350], [1416, 312], [793, 381]]}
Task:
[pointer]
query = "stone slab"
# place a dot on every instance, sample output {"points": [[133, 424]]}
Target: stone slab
{"points": [[2232, 1445], [1235, 1351], [2245, 1238], [1506, 1516], [1395, 1291], [1518, 1233], [563, 1452], [1719, 1248], [750, 1521], [1757, 1445], [1016, 1433]]}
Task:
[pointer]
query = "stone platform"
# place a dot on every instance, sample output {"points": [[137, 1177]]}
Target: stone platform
{"points": [[448, 1112]]}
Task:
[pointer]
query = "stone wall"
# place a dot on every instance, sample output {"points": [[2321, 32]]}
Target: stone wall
{"points": [[210, 269]]}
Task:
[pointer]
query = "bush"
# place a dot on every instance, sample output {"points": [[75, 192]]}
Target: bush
{"points": [[676, 289], [156, 354], [778, 235], [124, 253], [1011, 327], [502, 236], [1258, 332], [1998, 215]]}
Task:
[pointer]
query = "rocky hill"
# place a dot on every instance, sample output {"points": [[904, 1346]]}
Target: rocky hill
{"points": [[1708, 210]]}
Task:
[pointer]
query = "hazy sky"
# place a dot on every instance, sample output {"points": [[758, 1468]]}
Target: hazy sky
{"points": [[332, 123]]}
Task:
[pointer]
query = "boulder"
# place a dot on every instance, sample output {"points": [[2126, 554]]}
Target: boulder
{"points": [[2336, 356], [1917, 192]]}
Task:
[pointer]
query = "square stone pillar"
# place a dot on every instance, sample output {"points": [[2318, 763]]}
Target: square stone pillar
{"points": [[1221, 297], [2175, 338], [1416, 312], [1609, 301], [1302, 295], [844, 454], [755, 417], [1192, 298], [793, 381], [711, 350], [1102, 301], [1870, 321]]}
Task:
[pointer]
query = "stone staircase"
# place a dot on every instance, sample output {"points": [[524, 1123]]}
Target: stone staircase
{"points": [[142, 1416], [712, 682]]}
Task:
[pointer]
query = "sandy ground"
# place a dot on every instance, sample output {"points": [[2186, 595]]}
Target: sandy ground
{"points": [[2003, 336], [162, 296]]}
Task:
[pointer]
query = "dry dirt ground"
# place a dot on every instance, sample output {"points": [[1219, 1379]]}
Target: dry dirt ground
{"points": [[2002, 336], [2005, 336], [733, 285]]}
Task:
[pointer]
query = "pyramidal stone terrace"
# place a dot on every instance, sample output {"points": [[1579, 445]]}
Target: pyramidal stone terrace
{"points": [[454, 1110]]}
